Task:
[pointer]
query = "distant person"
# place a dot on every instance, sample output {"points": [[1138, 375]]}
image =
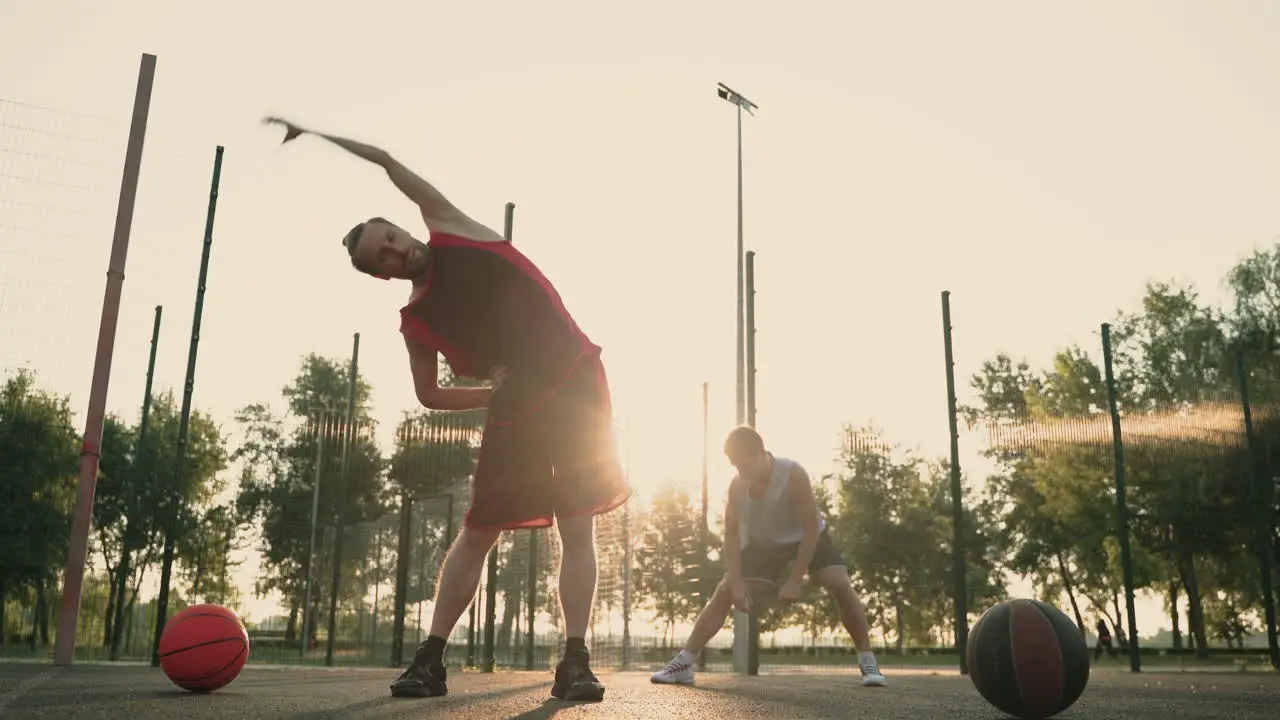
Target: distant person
{"points": [[547, 455], [772, 525], [1104, 641]]}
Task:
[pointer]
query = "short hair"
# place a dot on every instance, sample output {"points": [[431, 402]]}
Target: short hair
{"points": [[743, 440], [352, 239]]}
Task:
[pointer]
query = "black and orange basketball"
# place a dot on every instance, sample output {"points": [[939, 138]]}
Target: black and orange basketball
{"points": [[1028, 659], [203, 648]]}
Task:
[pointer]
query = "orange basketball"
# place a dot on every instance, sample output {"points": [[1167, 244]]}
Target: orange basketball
{"points": [[203, 648]]}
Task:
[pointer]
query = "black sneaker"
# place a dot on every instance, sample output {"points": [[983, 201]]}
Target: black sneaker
{"points": [[575, 681], [421, 681]]}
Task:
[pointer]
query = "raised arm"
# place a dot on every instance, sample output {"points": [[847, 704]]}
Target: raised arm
{"points": [[437, 211]]}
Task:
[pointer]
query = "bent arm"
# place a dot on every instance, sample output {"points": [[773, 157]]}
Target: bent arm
{"points": [[801, 491], [732, 540], [425, 367]]}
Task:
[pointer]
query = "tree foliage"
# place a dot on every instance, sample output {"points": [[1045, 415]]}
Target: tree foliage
{"points": [[668, 570], [38, 454], [307, 471], [316, 444]]}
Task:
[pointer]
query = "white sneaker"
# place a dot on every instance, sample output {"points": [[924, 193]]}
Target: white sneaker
{"points": [[871, 676], [677, 672]]}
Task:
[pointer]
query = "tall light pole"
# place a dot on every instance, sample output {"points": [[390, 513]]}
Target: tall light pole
{"points": [[730, 95], [741, 623]]}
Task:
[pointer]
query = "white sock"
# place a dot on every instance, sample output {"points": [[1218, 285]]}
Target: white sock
{"points": [[686, 657], [867, 658]]}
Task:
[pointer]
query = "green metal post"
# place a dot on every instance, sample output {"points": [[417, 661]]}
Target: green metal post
{"points": [[1122, 507], [471, 631], [180, 466], [448, 543], [491, 613], [340, 495], [122, 570], [448, 524], [1262, 522], [959, 553], [491, 576], [403, 549], [532, 599]]}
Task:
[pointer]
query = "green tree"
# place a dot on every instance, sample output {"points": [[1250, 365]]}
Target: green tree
{"points": [[1254, 325], [1185, 468], [432, 464], [1189, 492], [277, 478], [984, 568], [1051, 483], [1254, 322], [206, 552], [1232, 607], [435, 452], [38, 460], [113, 505], [667, 566], [132, 504], [890, 525], [611, 557]]}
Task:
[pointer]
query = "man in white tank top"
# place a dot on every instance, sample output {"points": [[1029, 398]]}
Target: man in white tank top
{"points": [[773, 535]]}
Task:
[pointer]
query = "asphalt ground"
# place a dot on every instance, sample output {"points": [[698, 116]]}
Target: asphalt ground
{"points": [[107, 692]]}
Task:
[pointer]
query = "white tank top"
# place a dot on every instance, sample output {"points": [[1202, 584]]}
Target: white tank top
{"points": [[773, 519]]}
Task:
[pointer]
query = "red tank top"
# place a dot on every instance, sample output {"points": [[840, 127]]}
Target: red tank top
{"points": [[485, 304]]}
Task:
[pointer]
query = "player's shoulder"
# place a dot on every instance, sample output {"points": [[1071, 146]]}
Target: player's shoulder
{"points": [[789, 463], [793, 467], [463, 228]]}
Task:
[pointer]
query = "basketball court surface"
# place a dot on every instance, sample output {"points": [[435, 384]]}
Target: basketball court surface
{"points": [[107, 692]]}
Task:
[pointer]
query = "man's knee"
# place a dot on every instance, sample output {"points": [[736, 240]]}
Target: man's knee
{"points": [[723, 594], [834, 579]]}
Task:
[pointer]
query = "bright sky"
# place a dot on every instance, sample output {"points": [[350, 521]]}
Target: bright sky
{"points": [[1041, 161]]}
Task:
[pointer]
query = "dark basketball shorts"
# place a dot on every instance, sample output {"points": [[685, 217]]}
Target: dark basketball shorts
{"points": [[772, 562], [558, 461]]}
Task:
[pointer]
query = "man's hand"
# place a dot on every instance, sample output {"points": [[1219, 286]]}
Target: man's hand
{"points": [[741, 598], [291, 131], [790, 590]]}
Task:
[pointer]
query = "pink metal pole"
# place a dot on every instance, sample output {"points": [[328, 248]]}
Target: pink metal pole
{"points": [[69, 608]]}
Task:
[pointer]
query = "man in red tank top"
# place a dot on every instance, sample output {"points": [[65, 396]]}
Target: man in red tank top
{"points": [[547, 454]]}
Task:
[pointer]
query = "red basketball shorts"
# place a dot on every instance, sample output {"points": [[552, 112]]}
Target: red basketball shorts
{"points": [[558, 461]]}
